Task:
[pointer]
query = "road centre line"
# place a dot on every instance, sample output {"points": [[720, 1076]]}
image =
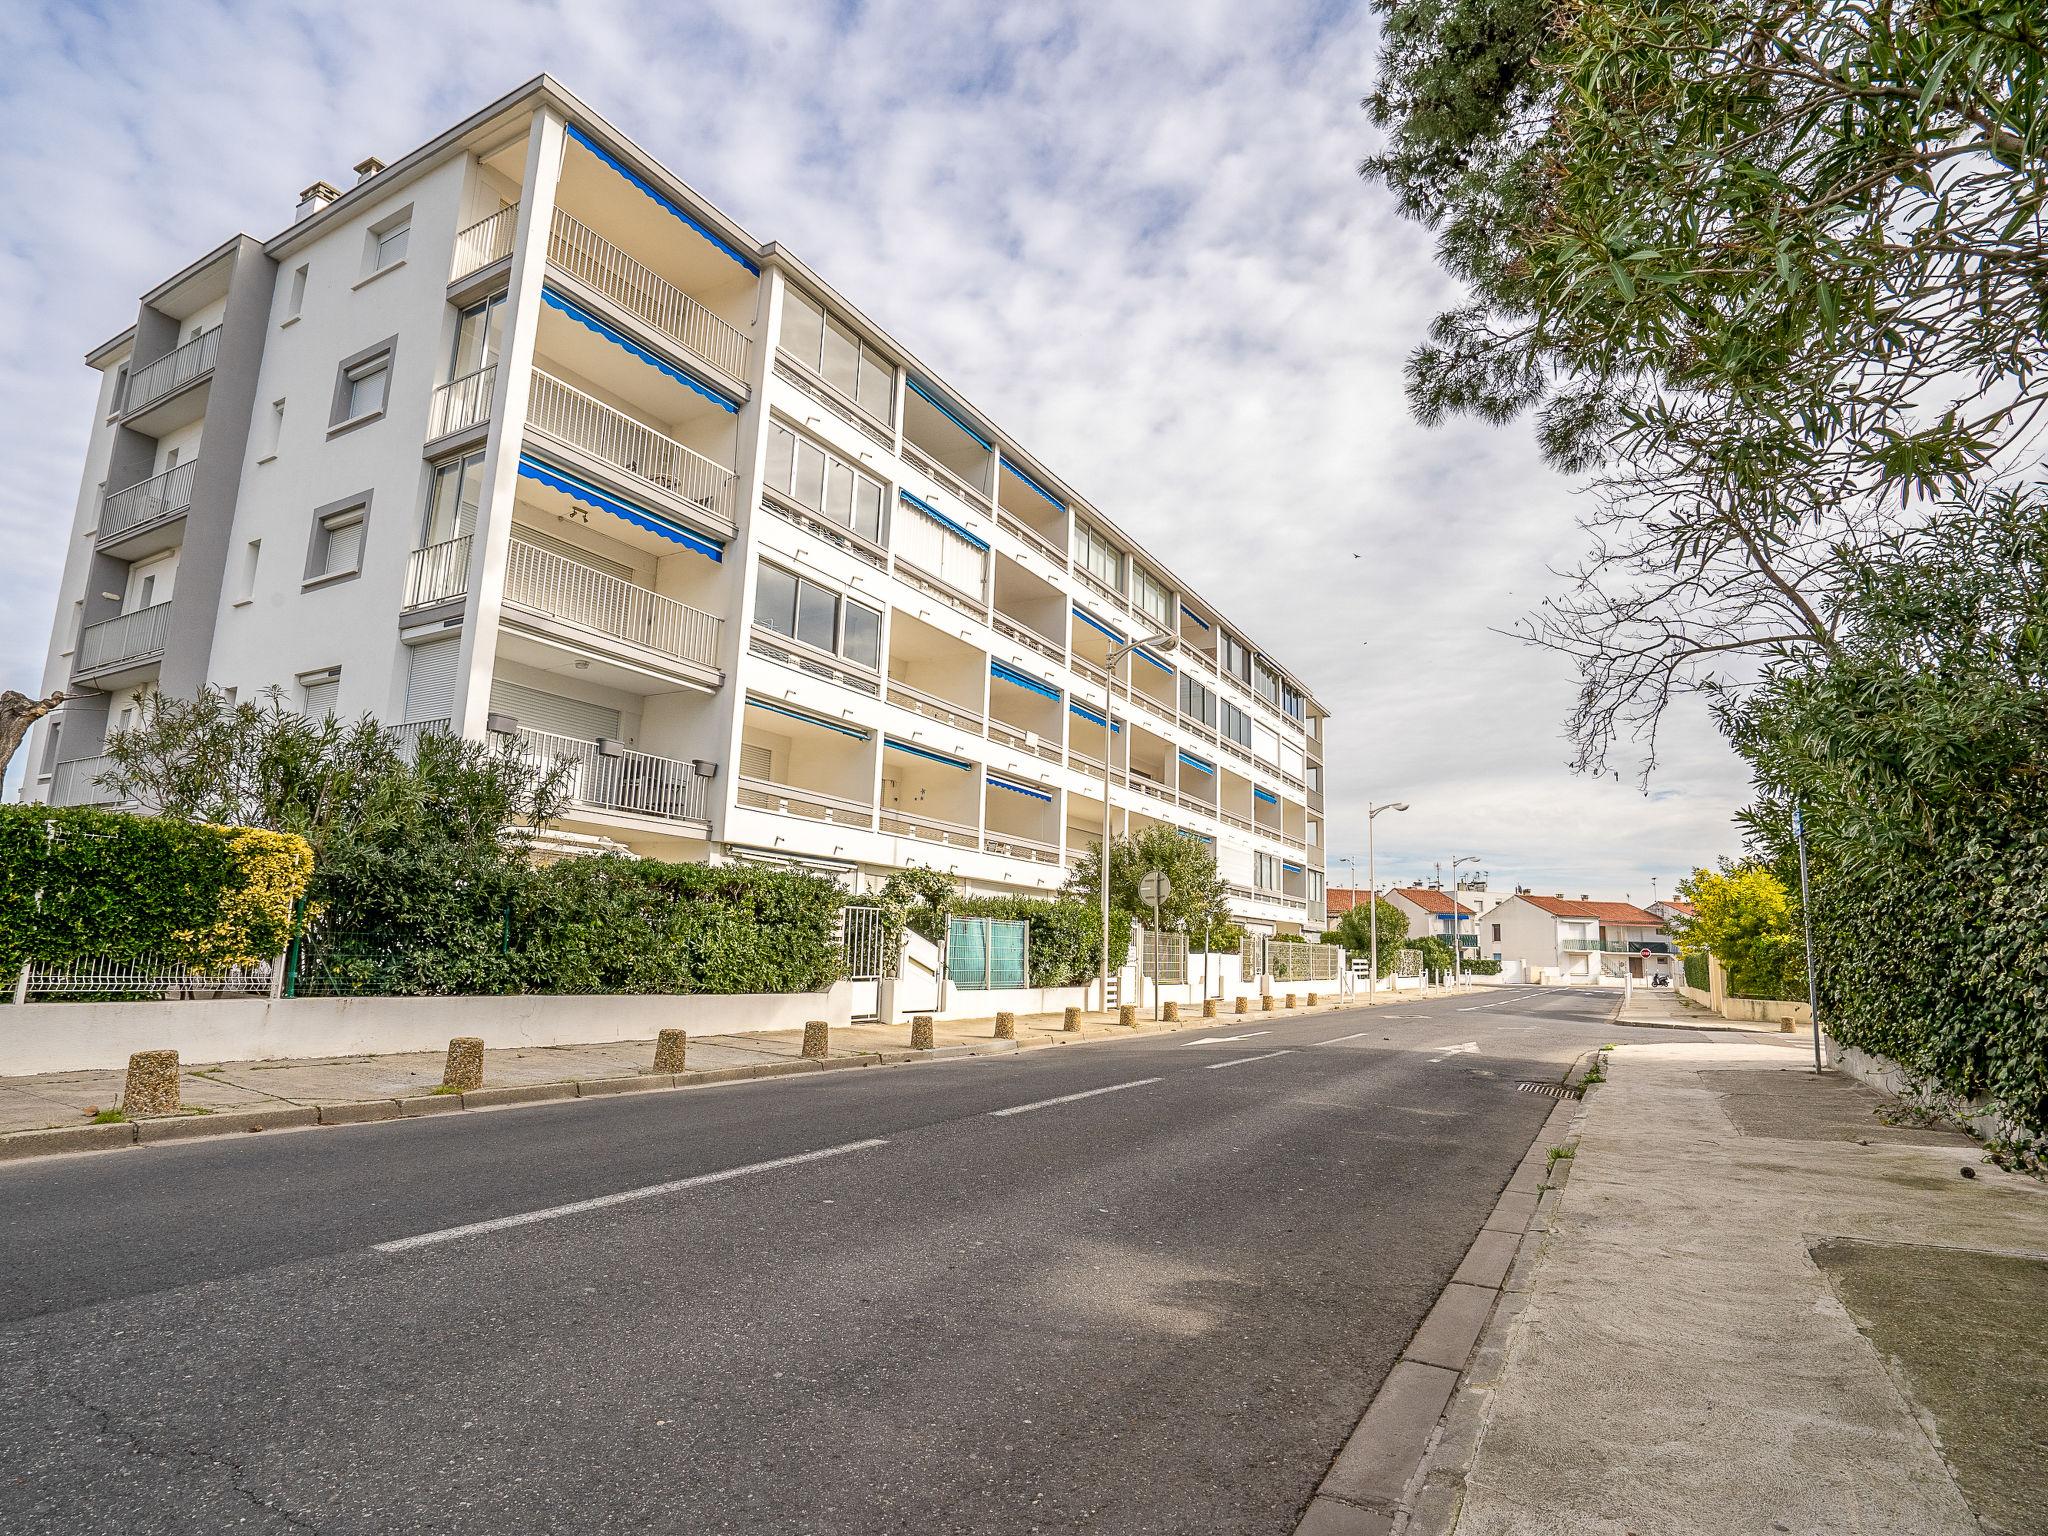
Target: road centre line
{"points": [[601, 1202], [1342, 1038], [1240, 1061], [1518, 997], [1068, 1098]]}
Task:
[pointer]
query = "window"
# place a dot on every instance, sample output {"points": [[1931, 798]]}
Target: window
{"points": [[1315, 885], [319, 692], [386, 248], [1496, 933], [295, 302], [245, 590], [1266, 871], [1236, 658], [50, 746], [170, 461], [1097, 556], [1315, 778], [836, 355], [477, 330], [1236, 725], [1197, 702], [818, 617], [1291, 703], [362, 385], [1151, 598], [120, 390], [810, 476], [452, 499], [336, 548], [1266, 682]]}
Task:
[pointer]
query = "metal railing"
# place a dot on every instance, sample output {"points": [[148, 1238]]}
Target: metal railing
{"points": [[1618, 946], [149, 501], [411, 731], [801, 379], [581, 421], [139, 977], [932, 707], [131, 637], [561, 588], [841, 538], [588, 257], [485, 241], [930, 829], [173, 371], [620, 779], [437, 573], [811, 804], [462, 402], [77, 782], [866, 943]]}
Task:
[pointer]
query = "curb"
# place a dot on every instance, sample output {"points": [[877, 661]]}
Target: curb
{"points": [[17, 1146], [1386, 1477]]}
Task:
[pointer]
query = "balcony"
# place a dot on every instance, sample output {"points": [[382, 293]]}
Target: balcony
{"points": [[131, 640], [613, 438], [486, 241], [1617, 946], [438, 573], [148, 504], [930, 829], [172, 372], [462, 403], [77, 783], [811, 804], [606, 777], [558, 588], [594, 261]]}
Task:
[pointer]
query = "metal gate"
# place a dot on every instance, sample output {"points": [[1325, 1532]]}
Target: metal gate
{"points": [[987, 953], [1164, 957], [864, 948]]}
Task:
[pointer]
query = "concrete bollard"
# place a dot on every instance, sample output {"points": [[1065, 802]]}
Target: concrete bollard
{"points": [[151, 1087], [817, 1039], [1786, 1026], [1208, 1007], [669, 1048], [1006, 1026], [465, 1069], [1290, 999], [1311, 999], [921, 1032], [1070, 1021], [1171, 1012], [1244, 1005], [1127, 1016], [1265, 1002]]}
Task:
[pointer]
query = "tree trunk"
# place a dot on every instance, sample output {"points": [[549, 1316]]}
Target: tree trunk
{"points": [[17, 713]]}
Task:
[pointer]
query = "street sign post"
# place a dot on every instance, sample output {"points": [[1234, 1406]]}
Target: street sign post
{"points": [[1155, 888]]}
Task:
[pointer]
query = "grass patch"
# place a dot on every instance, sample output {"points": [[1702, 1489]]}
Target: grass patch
{"points": [[444, 1088], [1559, 1155], [109, 1117]]}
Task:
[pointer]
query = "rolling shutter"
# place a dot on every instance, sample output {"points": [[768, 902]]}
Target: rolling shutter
{"points": [[430, 680], [535, 710]]}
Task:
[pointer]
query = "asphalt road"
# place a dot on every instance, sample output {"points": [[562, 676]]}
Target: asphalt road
{"points": [[1158, 1304]]}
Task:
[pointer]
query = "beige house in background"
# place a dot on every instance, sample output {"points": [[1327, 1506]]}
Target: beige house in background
{"points": [[1577, 942]]}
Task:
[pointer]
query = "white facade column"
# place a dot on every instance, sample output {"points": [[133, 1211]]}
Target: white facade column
{"points": [[493, 532]]}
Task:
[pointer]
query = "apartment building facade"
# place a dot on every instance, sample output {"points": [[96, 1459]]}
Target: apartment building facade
{"points": [[521, 438]]}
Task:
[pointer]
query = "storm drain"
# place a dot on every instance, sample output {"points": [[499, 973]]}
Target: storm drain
{"points": [[1553, 1090]]}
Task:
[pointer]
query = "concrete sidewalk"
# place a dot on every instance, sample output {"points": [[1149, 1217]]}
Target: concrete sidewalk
{"points": [[1664, 1008], [1756, 1307]]}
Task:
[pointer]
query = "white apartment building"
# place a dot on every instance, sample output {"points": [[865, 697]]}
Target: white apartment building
{"points": [[520, 437]]}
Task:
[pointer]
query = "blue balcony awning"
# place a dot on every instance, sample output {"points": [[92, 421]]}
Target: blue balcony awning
{"points": [[1190, 613], [1196, 763], [1094, 623], [797, 714], [1019, 789], [585, 318], [1011, 675], [641, 182], [1260, 794], [576, 488], [936, 757], [1162, 666], [930, 397], [941, 519], [1088, 714], [1010, 468], [1292, 869]]}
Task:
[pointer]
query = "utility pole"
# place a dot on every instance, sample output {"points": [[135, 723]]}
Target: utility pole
{"points": [[1806, 917], [1372, 896], [1117, 653], [1457, 954]]}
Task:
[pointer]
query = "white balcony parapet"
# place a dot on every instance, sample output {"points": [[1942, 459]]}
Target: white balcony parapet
{"points": [[408, 735], [78, 782], [174, 370], [1022, 740], [614, 778], [582, 421], [462, 402], [1027, 848], [560, 588], [930, 829], [1030, 639], [437, 573], [932, 707], [132, 637], [587, 256], [485, 241], [152, 500], [929, 466], [811, 804]]}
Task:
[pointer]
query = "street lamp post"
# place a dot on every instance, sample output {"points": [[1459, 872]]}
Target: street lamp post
{"points": [[1457, 957], [1117, 653], [1372, 897]]}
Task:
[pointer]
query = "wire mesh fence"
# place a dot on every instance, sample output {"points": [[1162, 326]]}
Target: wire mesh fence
{"points": [[138, 978]]}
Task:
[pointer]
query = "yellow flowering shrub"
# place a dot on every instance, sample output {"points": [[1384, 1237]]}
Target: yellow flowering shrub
{"points": [[255, 922]]}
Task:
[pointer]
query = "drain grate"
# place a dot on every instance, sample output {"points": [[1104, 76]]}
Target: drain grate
{"points": [[1553, 1090]]}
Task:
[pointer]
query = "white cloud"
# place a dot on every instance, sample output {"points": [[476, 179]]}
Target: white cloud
{"points": [[1131, 233]]}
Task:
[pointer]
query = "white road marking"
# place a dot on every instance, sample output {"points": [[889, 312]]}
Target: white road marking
{"points": [[1240, 1061], [1499, 1000], [1226, 1039], [1342, 1038], [1068, 1098], [1469, 1048], [578, 1207]]}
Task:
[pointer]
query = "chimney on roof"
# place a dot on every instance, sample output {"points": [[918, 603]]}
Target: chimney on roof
{"points": [[1584, 897], [314, 198], [365, 169]]}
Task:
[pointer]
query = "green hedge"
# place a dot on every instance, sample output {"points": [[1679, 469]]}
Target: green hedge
{"points": [[1066, 934], [79, 883], [1480, 967], [1696, 972]]}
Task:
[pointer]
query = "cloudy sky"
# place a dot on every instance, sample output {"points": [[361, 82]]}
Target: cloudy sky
{"points": [[1131, 233]]}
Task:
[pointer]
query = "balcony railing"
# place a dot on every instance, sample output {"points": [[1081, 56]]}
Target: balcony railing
{"points": [[77, 783], [173, 371], [622, 780], [932, 707], [1618, 946], [153, 500], [614, 438], [463, 403], [409, 735], [1030, 535], [133, 637], [437, 573], [485, 241], [1026, 848], [1022, 740], [930, 829], [811, 804], [561, 588], [945, 477], [586, 255], [1030, 639]]}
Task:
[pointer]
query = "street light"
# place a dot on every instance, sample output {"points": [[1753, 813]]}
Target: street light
{"points": [[1457, 958], [1117, 653], [1372, 897]]}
